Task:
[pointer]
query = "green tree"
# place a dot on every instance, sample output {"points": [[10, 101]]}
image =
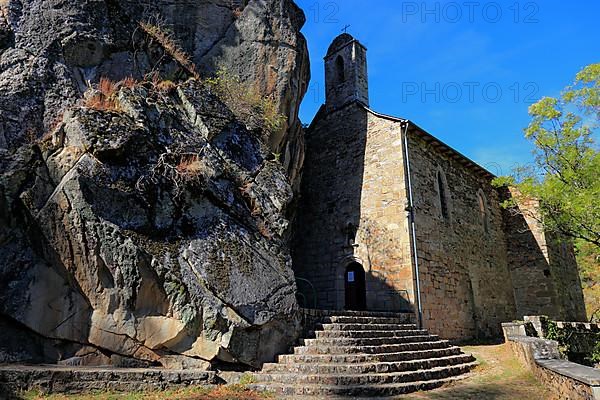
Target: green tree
{"points": [[565, 177]]}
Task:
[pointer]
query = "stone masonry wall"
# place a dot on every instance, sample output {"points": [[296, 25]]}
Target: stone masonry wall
{"points": [[48, 379], [465, 281], [383, 234], [355, 85], [353, 208], [354, 181], [543, 268], [565, 274], [544, 368]]}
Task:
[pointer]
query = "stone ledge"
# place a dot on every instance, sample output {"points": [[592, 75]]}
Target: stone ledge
{"points": [[568, 380], [330, 313], [514, 329], [55, 378], [541, 349], [579, 325], [589, 376]]}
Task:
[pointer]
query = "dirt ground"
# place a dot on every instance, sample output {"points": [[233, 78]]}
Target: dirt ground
{"points": [[237, 392], [499, 376]]}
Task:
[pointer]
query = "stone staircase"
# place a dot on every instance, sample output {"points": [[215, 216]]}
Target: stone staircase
{"points": [[364, 354]]}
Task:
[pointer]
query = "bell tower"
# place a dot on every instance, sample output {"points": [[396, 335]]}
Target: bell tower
{"points": [[346, 77]]}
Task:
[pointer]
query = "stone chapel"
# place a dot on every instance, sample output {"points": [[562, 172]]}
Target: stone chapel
{"points": [[392, 219]]}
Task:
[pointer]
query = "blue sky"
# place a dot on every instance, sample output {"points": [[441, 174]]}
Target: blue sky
{"points": [[466, 71]]}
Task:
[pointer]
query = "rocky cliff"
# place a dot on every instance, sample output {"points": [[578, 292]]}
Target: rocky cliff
{"points": [[148, 225], [51, 49]]}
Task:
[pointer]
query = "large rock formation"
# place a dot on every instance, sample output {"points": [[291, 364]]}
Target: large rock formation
{"points": [[153, 232], [51, 49]]}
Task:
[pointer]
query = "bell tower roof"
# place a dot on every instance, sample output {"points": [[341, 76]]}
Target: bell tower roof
{"points": [[339, 42]]}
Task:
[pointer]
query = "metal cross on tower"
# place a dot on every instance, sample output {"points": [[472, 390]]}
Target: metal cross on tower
{"points": [[345, 30]]}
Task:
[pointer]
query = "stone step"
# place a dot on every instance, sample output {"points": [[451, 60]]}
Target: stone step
{"points": [[368, 358], [345, 313], [367, 368], [369, 334], [389, 348], [368, 341], [364, 327], [340, 319], [366, 379], [353, 392]]}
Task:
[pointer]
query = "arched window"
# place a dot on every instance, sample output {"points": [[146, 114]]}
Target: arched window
{"points": [[340, 71], [443, 194], [483, 211], [351, 230]]}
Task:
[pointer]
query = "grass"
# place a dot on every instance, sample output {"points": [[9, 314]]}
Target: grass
{"points": [[104, 97], [232, 392], [499, 376], [190, 166], [247, 103], [167, 41]]}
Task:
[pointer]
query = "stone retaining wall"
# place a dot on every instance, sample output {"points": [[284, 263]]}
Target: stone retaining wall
{"points": [[57, 379], [567, 380]]}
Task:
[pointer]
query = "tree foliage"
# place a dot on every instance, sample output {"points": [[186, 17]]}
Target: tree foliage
{"points": [[565, 177]]}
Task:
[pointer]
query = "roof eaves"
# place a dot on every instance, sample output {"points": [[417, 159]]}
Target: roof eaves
{"points": [[453, 153]]}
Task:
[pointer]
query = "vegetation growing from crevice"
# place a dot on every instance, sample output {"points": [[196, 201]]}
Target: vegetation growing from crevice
{"points": [[178, 169], [246, 103], [103, 96], [166, 39]]}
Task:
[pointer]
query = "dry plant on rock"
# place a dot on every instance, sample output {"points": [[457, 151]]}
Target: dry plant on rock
{"points": [[103, 98], [52, 127], [128, 82], [190, 167], [179, 169], [247, 103], [160, 85], [166, 40]]}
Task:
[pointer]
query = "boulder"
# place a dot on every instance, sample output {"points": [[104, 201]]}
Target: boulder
{"points": [[52, 50], [155, 233], [149, 235]]}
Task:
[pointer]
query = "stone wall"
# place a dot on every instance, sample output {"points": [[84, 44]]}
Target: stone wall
{"points": [[346, 72], [353, 209], [465, 281], [565, 275], [56, 379], [543, 268], [566, 380], [577, 339], [479, 265]]}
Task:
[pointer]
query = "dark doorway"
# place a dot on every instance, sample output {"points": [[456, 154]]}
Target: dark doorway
{"points": [[356, 293]]}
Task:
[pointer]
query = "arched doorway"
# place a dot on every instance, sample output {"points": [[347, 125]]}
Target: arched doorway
{"points": [[356, 293]]}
